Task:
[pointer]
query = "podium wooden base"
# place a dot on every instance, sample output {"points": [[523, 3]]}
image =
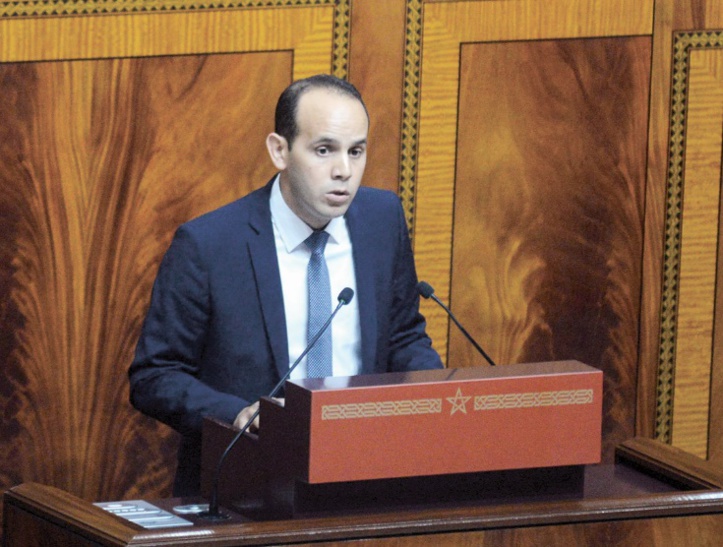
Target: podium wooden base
{"points": [[291, 498]]}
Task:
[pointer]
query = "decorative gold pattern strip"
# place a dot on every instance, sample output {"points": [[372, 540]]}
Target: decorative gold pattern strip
{"points": [[683, 42], [340, 60], [38, 8], [410, 112], [381, 409], [532, 400], [501, 401]]}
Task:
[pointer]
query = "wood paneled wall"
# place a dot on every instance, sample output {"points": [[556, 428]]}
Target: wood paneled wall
{"points": [[533, 145], [680, 358], [531, 181]]}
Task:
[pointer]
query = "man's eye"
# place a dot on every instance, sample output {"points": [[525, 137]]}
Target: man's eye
{"points": [[356, 152], [322, 150]]}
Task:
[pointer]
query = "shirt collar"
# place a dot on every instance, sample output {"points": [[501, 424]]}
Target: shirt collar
{"points": [[294, 231]]}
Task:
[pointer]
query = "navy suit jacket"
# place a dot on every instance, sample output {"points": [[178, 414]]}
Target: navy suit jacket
{"points": [[214, 340]]}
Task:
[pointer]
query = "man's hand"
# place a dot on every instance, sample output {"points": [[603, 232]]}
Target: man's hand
{"points": [[246, 413]]}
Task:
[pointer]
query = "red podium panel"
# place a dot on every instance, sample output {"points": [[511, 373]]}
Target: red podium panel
{"points": [[413, 439], [439, 422]]}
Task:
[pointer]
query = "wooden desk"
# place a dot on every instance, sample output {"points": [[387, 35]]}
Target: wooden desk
{"points": [[619, 505]]}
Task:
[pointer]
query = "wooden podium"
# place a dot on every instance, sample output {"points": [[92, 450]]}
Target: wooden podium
{"points": [[363, 442], [277, 492]]}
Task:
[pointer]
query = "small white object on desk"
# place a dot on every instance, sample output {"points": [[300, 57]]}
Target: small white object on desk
{"points": [[143, 514]]}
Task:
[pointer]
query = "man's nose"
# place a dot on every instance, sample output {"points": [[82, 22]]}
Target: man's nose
{"points": [[342, 168]]}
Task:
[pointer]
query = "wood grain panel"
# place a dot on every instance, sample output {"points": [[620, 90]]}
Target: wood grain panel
{"points": [[617, 508], [530, 20], [654, 220], [659, 297], [307, 31], [101, 160], [699, 530], [683, 30], [375, 67], [698, 255], [447, 25], [549, 207], [104, 160]]}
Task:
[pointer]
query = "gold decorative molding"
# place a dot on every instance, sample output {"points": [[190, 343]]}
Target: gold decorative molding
{"points": [[381, 409], [498, 401], [684, 44], [410, 112], [534, 400], [340, 51], [39, 8]]}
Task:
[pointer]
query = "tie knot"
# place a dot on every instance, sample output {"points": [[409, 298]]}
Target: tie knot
{"points": [[317, 241]]}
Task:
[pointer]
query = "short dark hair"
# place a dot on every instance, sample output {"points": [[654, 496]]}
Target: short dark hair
{"points": [[288, 103]]}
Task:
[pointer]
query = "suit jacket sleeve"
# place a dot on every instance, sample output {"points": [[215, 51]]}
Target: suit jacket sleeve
{"points": [[165, 375], [410, 348]]}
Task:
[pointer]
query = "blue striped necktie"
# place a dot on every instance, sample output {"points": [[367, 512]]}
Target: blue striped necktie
{"points": [[318, 360]]}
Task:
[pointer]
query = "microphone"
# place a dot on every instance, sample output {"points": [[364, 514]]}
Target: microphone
{"points": [[213, 513], [426, 290]]}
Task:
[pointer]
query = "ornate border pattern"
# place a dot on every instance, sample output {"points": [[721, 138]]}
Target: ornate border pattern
{"points": [[532, 400], [410, 113], [54, 8], [340, 49], [683, 42], [381, 409], [497, 401]]}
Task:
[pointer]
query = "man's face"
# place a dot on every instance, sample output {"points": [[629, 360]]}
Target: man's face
{"points": [[321, 173]]}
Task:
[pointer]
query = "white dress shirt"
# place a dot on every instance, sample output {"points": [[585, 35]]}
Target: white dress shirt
{"points": [[290, 232]]}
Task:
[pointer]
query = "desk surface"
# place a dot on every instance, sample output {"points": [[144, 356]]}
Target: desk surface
{"points": [[610, 492], [616, 499]]}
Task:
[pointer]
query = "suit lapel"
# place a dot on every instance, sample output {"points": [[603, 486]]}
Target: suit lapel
{"points": [[362, 249], [262, 251]]}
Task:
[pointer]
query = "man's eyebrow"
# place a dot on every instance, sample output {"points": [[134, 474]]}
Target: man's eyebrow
{"points": [[324, 140], [335, 141]]}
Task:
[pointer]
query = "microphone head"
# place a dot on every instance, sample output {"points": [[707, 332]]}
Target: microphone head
{"points": [[345, 295], [425, 289]]}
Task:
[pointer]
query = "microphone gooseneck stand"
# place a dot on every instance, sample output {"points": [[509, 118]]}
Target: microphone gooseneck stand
{"points": [[426, 290], [213, 513]]}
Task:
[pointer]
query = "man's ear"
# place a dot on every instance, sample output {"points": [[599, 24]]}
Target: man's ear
{"points": [[278, 149]]}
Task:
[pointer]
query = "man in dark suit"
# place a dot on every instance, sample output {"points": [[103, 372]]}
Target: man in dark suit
{"points": [[229, 309]]}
